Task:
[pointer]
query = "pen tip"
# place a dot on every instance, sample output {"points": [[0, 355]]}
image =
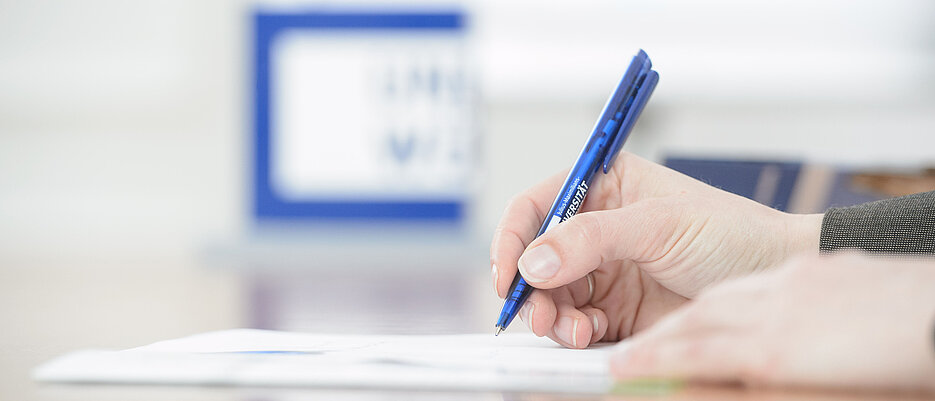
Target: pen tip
{"points": [[499, 330]]}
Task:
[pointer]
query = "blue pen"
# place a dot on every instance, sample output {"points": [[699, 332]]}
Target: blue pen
{"points": [[610, 132]]}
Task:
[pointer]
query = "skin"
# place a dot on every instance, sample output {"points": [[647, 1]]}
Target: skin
{"points": [[846, 321], [695, 275], [652, 238]]}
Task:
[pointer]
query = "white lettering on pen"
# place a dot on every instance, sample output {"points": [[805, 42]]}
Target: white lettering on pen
{"points": [[576, 201]]}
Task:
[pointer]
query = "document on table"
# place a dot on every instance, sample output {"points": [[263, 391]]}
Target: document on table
{"points": [[247, 357]]}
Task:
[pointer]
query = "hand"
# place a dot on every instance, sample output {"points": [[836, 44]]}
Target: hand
{"points": [[845, 321], [650, 236]]}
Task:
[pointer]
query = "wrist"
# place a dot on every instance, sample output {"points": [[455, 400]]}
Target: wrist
{"points": [[803, 234]]}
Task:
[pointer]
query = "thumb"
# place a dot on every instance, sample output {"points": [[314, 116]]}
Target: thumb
{"points": [[569, 251]]}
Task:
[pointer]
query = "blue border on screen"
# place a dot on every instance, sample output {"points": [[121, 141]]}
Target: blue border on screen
{"points": [[266, 203]]}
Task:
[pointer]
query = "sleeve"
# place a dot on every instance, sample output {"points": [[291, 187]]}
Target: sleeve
{"points": [[903, 225]]}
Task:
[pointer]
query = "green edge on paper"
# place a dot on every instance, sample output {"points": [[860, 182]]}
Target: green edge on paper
{"points": [[647, 387]]}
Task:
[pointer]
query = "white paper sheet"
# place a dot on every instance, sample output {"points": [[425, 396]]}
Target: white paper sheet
{"points": [[246, 357]]}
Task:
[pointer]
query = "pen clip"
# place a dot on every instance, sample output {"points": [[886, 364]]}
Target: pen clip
{"points": [[615, 110], [643, 91]]}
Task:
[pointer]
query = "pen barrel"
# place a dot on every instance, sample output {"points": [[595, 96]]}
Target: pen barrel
{"points": [[575, 190], [519, 292], [612, 127], [566, 205]]}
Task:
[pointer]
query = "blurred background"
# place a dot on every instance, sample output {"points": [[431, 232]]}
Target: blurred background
{"points": [[173, 167]]}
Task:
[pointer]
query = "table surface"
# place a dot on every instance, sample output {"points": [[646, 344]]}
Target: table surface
{"points": [[693, 393], [48, 311]]}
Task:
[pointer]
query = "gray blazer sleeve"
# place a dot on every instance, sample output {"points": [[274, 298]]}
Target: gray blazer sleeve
{"points": [[900, 225]]}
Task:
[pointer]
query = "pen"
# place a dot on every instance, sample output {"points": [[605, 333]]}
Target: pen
{"points": [[609, 133]]}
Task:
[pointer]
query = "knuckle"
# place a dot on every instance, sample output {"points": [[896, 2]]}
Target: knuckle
{"points": [[522, 204], [520, 201], [584, 233], [759, 365], [587, 228], [497, 234], [513, 203], [756, 371]]}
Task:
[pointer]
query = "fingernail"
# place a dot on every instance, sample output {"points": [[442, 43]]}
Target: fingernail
{"points": [[566, 329], [539, 264], [494, 274], [594, 324]]}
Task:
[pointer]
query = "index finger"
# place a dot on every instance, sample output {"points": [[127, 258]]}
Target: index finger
{"points": [[518, 227]]}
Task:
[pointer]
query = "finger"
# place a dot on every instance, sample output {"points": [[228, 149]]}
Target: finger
{"points": [[572, 328], [599, 322], [640, 232], [714, 357], [539, 312], [582, 290], [517, 228], [736, 306], [670, 326], [701, 340]]}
